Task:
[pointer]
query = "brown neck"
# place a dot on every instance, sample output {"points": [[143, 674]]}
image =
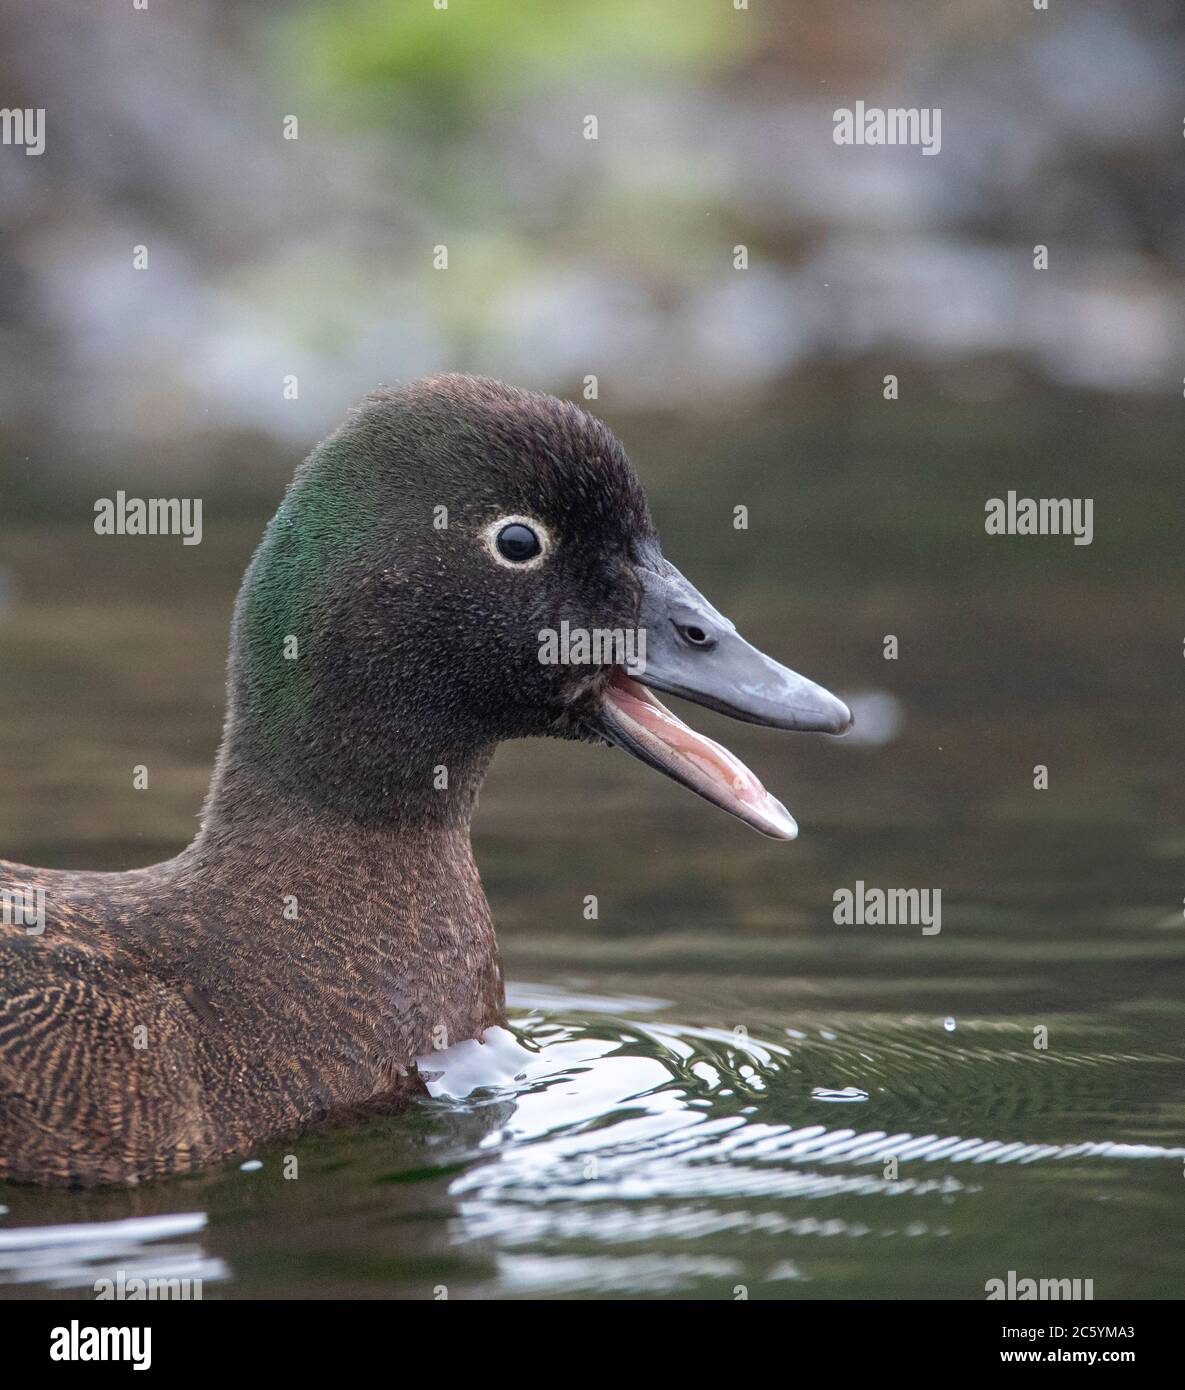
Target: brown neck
{"points": [[376, 938]]}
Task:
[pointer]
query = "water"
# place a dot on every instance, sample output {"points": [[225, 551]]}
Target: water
{"points": [[605, 1150], [705, 1088]]}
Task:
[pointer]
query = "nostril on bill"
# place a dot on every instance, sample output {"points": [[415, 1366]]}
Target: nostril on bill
{"points": [[696, 636]]}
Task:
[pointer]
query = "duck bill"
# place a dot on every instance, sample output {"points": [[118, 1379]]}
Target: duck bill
{"points": [[691, 650]]}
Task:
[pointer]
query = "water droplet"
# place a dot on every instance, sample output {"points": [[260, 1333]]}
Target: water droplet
{"points": [[949, 1024], [252, 1165], [848, 1093]]}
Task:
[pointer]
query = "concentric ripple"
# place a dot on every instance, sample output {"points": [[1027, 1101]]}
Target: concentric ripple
{"points": [[624, 1133], [601, 1150]]}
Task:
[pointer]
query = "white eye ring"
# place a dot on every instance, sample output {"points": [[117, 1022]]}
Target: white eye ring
{"points": [[490, 534]]}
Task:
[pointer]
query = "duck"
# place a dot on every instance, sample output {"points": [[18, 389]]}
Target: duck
{"points": [[327, 925]]}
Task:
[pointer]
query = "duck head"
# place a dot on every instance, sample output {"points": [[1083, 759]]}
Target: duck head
{"points": [[463, 563]]}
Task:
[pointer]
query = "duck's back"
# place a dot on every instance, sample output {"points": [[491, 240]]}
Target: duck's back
{"points": [[156, 1021], [98, 1072]]}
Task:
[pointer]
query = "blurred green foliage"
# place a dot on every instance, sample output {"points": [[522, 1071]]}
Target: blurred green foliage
{"points": [[506, 46]]}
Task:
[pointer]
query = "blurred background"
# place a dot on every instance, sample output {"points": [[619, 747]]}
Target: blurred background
{"points": [[271, 258], [416, 127]]}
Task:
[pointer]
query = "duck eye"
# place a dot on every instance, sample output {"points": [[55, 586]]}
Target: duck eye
{"points": [[518, 543]]}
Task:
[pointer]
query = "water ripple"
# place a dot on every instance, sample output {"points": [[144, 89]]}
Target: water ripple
{"points": [[617, 1133]]}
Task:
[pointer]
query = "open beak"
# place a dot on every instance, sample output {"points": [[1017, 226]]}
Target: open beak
{"points": [[693, 651]]}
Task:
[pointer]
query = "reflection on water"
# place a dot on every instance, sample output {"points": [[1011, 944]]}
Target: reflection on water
{"points": [[74, 1258], [588, 1153], [877, 713]]}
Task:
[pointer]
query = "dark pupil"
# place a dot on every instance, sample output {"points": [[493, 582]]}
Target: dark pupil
{"points": [[518, 543]]}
